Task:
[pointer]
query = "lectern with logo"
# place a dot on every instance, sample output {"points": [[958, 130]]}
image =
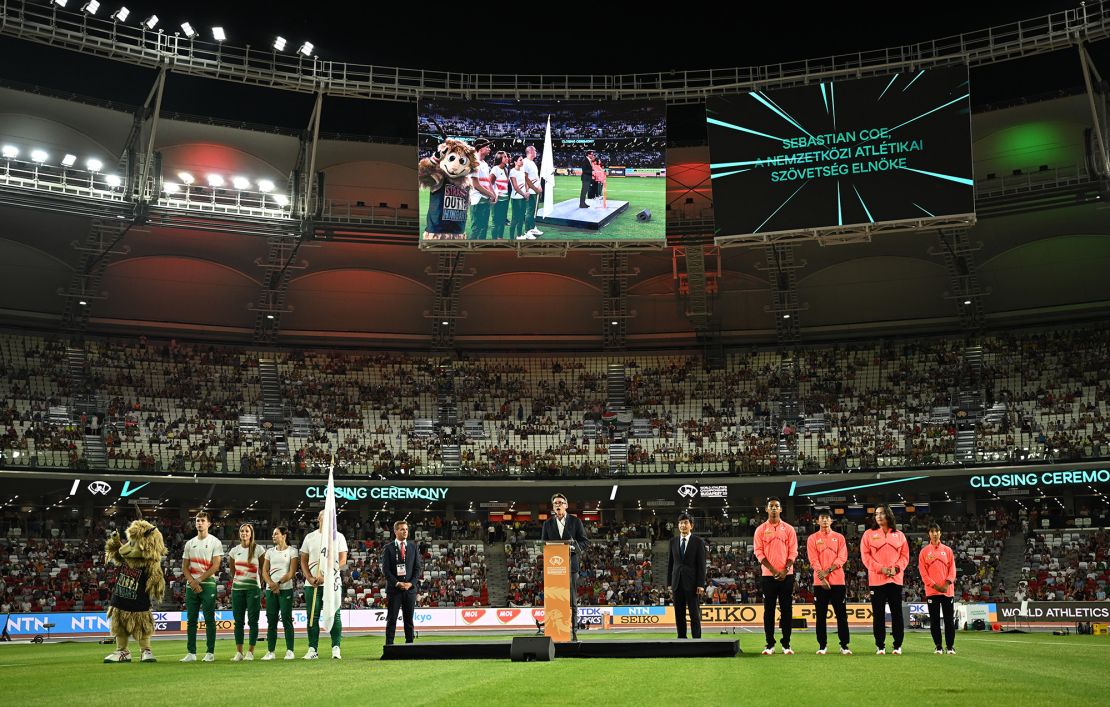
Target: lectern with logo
{"points": [[557, 617]]}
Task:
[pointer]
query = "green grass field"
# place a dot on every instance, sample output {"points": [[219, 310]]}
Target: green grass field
{"points": [[640, 193], [991, 669]]}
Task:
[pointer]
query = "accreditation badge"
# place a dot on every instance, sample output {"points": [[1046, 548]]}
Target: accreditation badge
{"points": [[401, 569]]}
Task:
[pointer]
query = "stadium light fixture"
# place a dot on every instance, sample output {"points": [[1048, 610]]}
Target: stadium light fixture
{"points": [[218, 34], [38, 156], [69, 160], [188, 30], [61, 3], [120, 15], [215, 180], [151, 22], [113, 180], [279, 43], [265, 186], [9, 151], [171, 187], [967, 301], [91, 7], [185, 178], [241, 183], [269, 316], [614, 322], [444, 322], [786, 316], [93, 164], [306, 49], [281, 200]]}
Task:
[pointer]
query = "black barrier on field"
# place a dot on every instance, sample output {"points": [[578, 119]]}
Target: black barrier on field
{"points": [[1062, 611]]}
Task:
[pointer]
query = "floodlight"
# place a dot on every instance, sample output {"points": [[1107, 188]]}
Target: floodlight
{"points": [[69, 160], [61, 3], [218, 34], [151, 22], [39, 156], [188, 30], [113, 180], [306, 49], [241, 183], [171, 187], [120, 15], [91, 7], [215, 180], [94, 164], [265, 186], [281, 200], [185, 178], [279, 44], [10, 151]]}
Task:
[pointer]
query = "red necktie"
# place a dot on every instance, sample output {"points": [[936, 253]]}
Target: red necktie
{"points": [[402, 552]]}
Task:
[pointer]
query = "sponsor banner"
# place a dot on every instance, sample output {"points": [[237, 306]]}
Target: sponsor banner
{"points": [[65, 623], [1053, 611]]}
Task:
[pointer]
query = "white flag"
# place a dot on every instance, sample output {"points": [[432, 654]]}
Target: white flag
{"points": [[329, 558], [547, 173]]}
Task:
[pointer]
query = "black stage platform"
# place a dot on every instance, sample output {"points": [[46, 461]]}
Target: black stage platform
{"points": [[499, 650]]}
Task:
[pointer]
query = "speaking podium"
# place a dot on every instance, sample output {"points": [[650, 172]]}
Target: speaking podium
{"points": [[557, 617]]}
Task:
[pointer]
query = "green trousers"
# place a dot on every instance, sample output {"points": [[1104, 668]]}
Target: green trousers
{"points": [[245, 602], [313, 596], [282, 600], [500, 215], [479, 220], [194, 603], [516, 227], [531, 203]]}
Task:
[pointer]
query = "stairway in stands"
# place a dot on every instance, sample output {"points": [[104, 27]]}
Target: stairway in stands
{"points": [[660, 551], [969, 404], [497, 574], [84, 402], [447, 417], [273, 405], [1011, 561], [616, 388], [788, 414]]}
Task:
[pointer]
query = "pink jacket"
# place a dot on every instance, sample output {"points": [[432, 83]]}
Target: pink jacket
{"points": [[824, 550], [779, 544], [885, 549], [937, 565]]}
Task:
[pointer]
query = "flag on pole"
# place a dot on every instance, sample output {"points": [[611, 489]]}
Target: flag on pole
{"points": [[329, 557], [547, 173]]}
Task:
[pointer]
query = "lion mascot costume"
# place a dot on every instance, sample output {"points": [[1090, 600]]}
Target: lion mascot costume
{"points": [[446, 174], [139, 582]]}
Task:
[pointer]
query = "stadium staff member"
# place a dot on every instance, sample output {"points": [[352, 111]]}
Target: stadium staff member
{"points": [[482, 193], [402, 567], [311, 557], [886, 554], [686, 569], [937, 565], [827, 552], [200, 562], [245, 561], [279, 567], [567, 528], [776, 548]]}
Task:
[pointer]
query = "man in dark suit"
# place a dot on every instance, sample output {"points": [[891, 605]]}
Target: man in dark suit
{"points": [[686, 569], [402, 568], [587, 167], [568, 528]]}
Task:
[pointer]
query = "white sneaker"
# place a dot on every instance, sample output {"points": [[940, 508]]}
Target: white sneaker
{"points": [[845, 651], [148, 657], [248, 656], [897, 651], [768, 651], [311, 655], [788, 651], [951, 651], [269, 656], [290, 656], [881, 651], [335, 653], [189, 658], [938, 652], [123, 656], [821, 651], [535, 232], [237, 658], [208, 658]]}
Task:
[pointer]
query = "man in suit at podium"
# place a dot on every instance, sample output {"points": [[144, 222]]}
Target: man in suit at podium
{"points": [[587, 166], [402, 568], [567, 528], [686, 569]]}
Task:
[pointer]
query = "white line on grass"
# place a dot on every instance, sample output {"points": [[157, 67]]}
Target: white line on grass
{"points": [[1036, 643]]}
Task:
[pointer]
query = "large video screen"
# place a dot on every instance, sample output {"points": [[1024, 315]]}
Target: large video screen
{"points": [[542, 171], [863, 151]]}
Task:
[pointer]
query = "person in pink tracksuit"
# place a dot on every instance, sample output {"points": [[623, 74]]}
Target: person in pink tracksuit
{"points": [[937, 565], [776, 548], [827, 551], [886, 554]]}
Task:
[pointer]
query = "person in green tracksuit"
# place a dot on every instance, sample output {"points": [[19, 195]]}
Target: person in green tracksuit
{"points": [[200, 562], [499, 175], [312, 549], [243, 561], [279, 567], [482, 194], [519, 198]]}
